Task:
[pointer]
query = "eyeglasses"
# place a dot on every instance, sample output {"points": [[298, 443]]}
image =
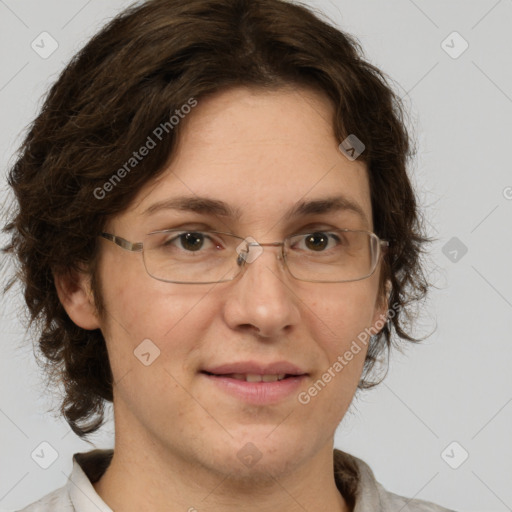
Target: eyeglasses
{"points": [[206, 257]]}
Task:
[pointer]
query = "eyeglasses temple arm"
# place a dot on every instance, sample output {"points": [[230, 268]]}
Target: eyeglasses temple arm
{"points": [[121, 242]]}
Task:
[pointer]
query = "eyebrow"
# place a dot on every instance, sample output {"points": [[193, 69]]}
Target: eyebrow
{"points": [[216, 207]]}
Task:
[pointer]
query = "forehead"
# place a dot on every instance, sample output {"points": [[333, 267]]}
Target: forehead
{"points": [[259, 156]]}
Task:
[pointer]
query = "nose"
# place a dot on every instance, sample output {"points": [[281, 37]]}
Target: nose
{"points": [[261, 299]]}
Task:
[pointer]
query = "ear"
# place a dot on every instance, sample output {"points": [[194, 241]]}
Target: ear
{"points": [[380, 314], [75, 294]]}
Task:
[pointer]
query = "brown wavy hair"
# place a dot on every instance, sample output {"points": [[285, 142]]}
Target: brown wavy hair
{"points": [[147, 62]]}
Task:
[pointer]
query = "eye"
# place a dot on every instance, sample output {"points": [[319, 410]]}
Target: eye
{"points": [[190, 241], [318, 241]]}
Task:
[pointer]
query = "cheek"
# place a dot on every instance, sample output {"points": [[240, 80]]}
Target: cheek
{"points": [[339, 313], [139, 304], [140, 308], [153, 332], [339, 319]]}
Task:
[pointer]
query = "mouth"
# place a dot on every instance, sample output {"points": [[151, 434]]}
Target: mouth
{"points": [[253, 377], [258, 384]]}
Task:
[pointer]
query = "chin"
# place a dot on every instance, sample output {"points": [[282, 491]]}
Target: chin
{"points": [[262, 453]]}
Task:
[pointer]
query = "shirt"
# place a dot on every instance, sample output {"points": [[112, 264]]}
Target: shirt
{"points": [[354, 479]]}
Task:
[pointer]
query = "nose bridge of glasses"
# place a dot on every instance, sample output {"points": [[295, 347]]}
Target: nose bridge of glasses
{"points": [[246, 255]]}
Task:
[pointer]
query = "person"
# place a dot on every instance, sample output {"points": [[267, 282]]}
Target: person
{"points": [[216, 232]]}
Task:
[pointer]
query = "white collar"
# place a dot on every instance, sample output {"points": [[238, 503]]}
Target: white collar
{"points": [[81, 492]]}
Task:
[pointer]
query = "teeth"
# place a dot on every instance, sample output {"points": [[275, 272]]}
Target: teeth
{"points": [[252, 377]]}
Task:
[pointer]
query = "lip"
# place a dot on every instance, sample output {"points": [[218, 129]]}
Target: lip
{"points": [[274, 368], [257, 393]]}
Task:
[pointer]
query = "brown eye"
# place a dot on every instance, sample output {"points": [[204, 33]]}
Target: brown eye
{"points": [[317, 241], [192, 241]]}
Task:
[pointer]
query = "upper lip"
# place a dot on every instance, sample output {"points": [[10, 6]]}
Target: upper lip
{"points": [[255, 368]]}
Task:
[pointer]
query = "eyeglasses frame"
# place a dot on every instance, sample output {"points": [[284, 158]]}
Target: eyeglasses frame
{"points": [[382, 246]]}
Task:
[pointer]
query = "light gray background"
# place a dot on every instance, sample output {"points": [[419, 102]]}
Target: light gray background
{"points": [[457, 386]]}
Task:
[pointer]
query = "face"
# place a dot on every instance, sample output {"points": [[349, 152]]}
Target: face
{"points": [[261, 153]]}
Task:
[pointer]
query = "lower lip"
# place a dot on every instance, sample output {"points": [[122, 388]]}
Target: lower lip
{"points": [[260, 393]]}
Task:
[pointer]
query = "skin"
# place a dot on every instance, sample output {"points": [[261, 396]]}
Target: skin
{"points": [[178, 435]]}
